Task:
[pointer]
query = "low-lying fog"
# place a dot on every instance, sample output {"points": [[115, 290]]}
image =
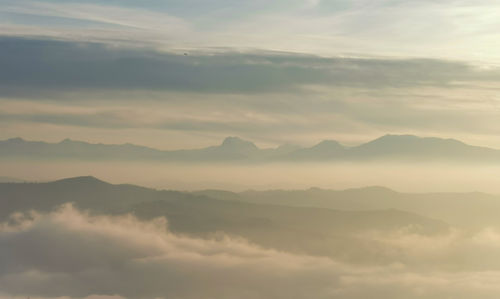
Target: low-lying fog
{"points": [[81, 238], [126, 258], [407, 177]]}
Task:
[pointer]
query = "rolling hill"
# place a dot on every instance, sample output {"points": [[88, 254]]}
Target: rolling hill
{"points": [[306, 230]]}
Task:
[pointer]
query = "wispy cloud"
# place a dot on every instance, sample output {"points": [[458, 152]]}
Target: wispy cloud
{"points": [[268, 96], [458, 29], [236, 81]]}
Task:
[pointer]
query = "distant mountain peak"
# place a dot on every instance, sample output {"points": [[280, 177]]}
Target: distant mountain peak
{"points": [[16, 139], [72, 141], [393, 138], [232, 142], [390, 146], [373, 189], [326, 149], [328, 144], [398, 137], [82, 180]]}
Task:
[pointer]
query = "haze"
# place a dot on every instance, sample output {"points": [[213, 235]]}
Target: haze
{"points": [[286, 149], [403, 177]]}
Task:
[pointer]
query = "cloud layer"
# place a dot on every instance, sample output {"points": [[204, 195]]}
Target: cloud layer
{"points": [[451, 28], [288, 72], [29, 64], [82, 90], [69, 253]]}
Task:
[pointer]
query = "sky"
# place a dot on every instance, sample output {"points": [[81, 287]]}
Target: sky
{"points": [[182, 74], [185, 74]]}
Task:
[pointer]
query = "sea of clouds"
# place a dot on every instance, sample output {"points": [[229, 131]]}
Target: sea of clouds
{"points": [[71, 254]]}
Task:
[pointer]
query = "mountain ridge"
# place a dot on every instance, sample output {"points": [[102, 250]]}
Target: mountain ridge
{"points": [[291, 228], [235, 149]]}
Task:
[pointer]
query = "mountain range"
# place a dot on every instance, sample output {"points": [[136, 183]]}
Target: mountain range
{"points": [[234, 149], [470, 210], [309, 230], [314, 221]]}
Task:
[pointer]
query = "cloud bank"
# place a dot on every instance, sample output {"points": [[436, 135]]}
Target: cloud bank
{"points": [[41, 65], [101, 92], [288, 72], [69, 253]]}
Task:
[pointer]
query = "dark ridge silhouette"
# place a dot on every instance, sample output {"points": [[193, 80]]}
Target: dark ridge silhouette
{"points": [[471, 210], [81, 180], [310, 230]]}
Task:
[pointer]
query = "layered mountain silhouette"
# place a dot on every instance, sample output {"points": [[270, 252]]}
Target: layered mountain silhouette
{"points": [[388, 147], [471, 210], [310, 230]]}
